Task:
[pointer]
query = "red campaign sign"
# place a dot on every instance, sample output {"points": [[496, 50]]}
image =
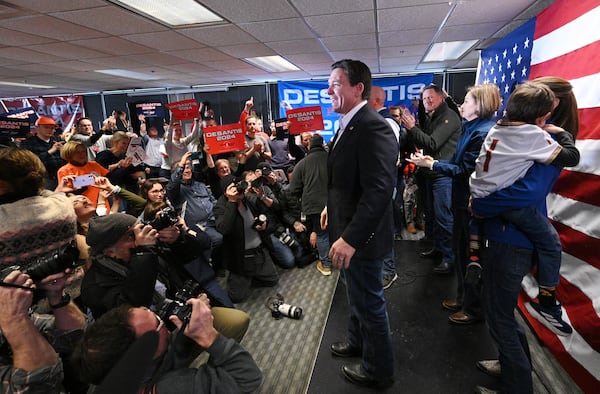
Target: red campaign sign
{"points": [[184, 110], [226, 138], [63, 109], [305, 119]]}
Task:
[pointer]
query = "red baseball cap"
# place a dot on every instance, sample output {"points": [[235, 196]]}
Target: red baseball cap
{"points": [[44, 120]]}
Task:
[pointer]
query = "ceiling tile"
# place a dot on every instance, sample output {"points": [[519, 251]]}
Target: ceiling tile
{"points": [[47, 26], [67, 50], [114, 45], [164, 40], [319, 7], [292, 47], [406, 37], [280, 30], [121, 21], [248, 50], [410, 18], [344, 43], [56, 5], [406, 50], [257, 10], [22, 55], [216, 36], [17, 38], [198, 55], [310, 58], [350, 23]]}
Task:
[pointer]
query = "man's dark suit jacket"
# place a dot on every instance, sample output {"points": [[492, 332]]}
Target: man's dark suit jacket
{"points": [[362, 172]]}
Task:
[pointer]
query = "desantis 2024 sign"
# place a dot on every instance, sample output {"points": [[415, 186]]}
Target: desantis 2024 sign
{"points": [[400, 91]]}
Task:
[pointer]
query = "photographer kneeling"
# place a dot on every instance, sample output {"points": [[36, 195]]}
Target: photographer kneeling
{"points": [[230, 367], [134, 264]]}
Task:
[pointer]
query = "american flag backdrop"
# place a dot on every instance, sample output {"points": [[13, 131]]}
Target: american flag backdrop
{"points": [[564, 41]]}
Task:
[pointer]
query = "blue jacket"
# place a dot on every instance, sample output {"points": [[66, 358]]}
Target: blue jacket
{"points": [[531, 190], [462, 163], [196, 196]]}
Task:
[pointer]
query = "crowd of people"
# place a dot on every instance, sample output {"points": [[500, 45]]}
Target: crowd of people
{"points": [[143, 244]]}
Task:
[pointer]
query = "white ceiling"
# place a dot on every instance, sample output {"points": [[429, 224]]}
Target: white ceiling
{"points": [[61, 42]]}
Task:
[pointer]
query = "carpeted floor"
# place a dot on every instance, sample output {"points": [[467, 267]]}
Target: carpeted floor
{"points": [[431, 355], [286, 349]]}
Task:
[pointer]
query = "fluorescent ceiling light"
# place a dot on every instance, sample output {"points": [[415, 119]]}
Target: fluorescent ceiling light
{"points": [[442, 51], [128, 74], [171, 12], [272, 64], [26, 85]]}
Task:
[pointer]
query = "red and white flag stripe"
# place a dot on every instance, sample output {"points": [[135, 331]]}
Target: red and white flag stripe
{"points": [[567, 44]]}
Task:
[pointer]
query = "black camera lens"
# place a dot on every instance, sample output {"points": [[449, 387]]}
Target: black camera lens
{"points": [[260, 220], [241, 187], [57, 261]]}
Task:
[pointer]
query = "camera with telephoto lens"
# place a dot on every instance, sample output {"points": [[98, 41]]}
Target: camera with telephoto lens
{"points": [[177, 306], [166, 217], [280, 308], [67, 256]]}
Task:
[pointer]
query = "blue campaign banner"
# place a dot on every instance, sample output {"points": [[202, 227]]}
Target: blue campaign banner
{"points": [[400, 91]]}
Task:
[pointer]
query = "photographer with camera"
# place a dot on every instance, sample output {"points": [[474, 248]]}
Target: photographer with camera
{"points": [[246, 243], [230, 367], [134, 264], [284, 246], [198, 270], [37, 227]]}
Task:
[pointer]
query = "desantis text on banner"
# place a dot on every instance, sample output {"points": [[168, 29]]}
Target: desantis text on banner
{"points": [[305, 119], [225, 138], [184, 110], [400, 91]]}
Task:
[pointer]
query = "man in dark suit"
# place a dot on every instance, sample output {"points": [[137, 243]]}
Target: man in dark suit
{"points": [[361, 170]]}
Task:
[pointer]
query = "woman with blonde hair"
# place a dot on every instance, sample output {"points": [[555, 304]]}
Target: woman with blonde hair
{"points": [[75, 153], [478, 110]]}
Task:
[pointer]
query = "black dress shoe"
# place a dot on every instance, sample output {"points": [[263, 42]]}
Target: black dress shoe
{"points": [[355, 374], [431, 254], [344, 349], [443, 268]]}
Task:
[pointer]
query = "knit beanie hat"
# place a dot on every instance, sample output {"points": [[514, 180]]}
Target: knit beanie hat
{"points": [[105, 231], [35, 226]]}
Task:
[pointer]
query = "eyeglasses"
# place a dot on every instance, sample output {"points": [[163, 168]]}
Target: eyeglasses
{"points": [[157, 191]]}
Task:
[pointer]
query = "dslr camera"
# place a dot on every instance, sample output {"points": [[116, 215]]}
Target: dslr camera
{"points": [[285, 238], [177, 306], [66, 256], [241, 187], [166, 217], [279, 309]]}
